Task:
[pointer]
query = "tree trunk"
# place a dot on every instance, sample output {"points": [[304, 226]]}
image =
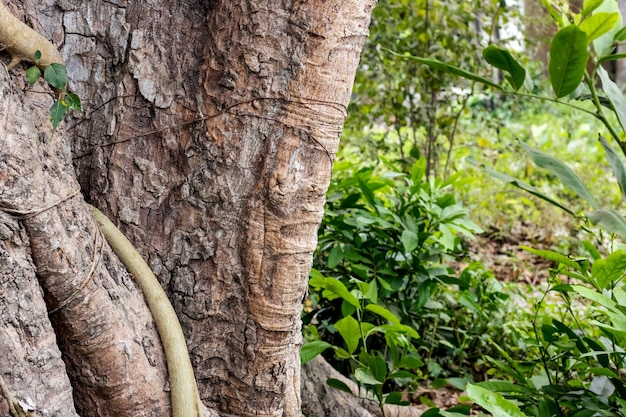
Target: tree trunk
{"points": [[208, 138]]}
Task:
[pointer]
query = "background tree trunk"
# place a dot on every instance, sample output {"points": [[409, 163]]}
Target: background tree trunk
{"points": [[209, 135]]}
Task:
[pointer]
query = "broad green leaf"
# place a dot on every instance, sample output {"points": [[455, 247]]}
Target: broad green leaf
{"points": [[502, 59], [604, 44], [340, 385], [409, 240], [73, 102], [395, 397], [383, 312], [562, 171], [336, 287], [608, 270], [599, 24], [349, 330], [568, 59], [496, 404], [57, 112], [56, 75], [520, 184], [450, 69], [378, 368], [32, 75], [610, 220], [589, 6], [37, 56], [335, 256], [312, 349], [554, 257], [411, 362], [595, 296], [615, 95], [365, 376]]}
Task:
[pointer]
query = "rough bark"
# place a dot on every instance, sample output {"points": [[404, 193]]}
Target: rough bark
{"points": [[209, 138], [109, 344]]}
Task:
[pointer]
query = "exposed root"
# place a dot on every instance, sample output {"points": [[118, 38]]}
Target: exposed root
{"points": [[21, 41]]}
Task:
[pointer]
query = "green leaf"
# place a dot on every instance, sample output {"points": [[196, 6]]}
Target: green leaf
{"points": [[615, 95], [73, 102], [608, 270], [562, 171], [395, 397], [450, 69], [409, 240], [56, 75], [589, 6], [520, 184], [598, 24], [336, 287], [554, 257], [312, 349], [349, 330], [615, 160], [610, 220], [604, 44], [340, 385], [496, 404], [57, 112], [568, 59], [502, 59], [32, 75], [383, 312], [335, 256], [365, 376], [620, 35], [595, 297], [37, 56]]}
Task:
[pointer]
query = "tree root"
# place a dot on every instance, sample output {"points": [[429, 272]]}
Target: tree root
{"points": [[184, 392], [21, 42]]}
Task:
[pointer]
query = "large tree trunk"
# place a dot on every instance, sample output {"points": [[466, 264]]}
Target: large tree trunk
{"points": [[209, 136]]}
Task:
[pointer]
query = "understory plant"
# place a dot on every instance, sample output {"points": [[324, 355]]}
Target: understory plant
{"points": [[385, 304], [574, 366]]}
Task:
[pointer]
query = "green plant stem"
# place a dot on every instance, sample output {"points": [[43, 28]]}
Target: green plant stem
{"points": [[600, 112]]}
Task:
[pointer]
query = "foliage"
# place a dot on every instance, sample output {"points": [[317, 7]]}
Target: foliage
{"points": [[381, 280], [417, 109], [56, 76], [574, 373]]}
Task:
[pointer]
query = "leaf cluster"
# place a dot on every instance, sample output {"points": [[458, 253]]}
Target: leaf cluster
{"points": [[56, 76]]}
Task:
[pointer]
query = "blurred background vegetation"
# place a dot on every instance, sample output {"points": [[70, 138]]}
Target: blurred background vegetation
{"points": [[429, 272]]}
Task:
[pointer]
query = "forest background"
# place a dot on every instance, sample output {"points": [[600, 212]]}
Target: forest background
{"points": [[459, 260]]}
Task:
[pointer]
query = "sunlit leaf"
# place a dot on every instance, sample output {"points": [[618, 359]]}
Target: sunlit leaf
{"points": [[312, 349], [568, 59], [496, 404], [349, 330], [598, 24]]}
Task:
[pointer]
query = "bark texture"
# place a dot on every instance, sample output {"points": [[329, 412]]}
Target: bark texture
{"points": [[209, 135], [103, 327]]}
